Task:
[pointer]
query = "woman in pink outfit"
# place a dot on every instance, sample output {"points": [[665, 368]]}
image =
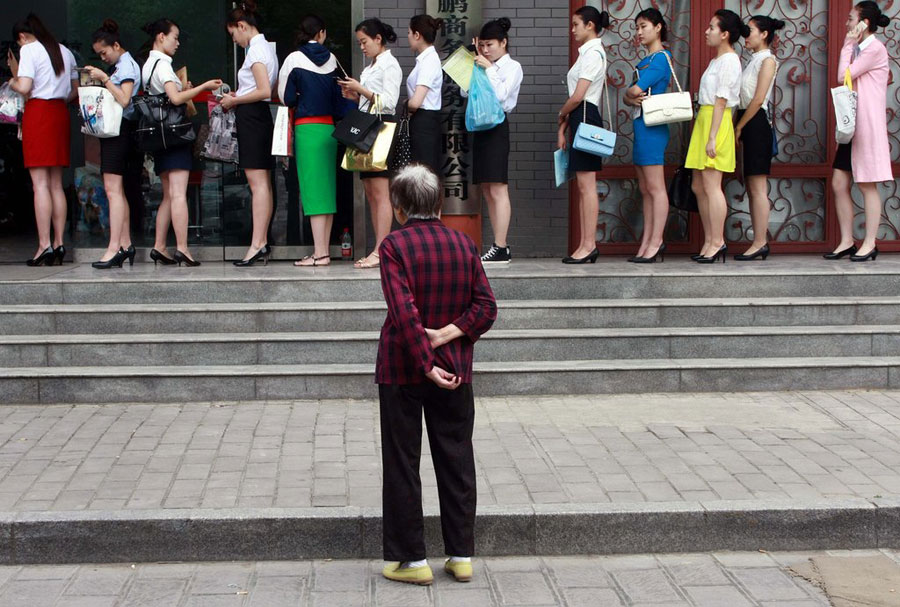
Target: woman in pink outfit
{"points": [[868, 157]]}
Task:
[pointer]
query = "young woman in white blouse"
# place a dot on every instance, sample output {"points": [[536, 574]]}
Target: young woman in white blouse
{"points": [[585, 81], [712, 148], [754, 129], [45, 75], [381, 78], [253, 119], [173, 165], [423, 91], [490, 149]]}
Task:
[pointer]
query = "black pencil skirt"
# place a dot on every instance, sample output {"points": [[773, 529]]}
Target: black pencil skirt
{"points": [[490, 155], [254, 132], [578, 160], [118, 153], [425, 138], [843, 158], [756, 144]]}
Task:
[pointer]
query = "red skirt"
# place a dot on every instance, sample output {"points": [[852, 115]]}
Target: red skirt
{"points": [[45, 133]]}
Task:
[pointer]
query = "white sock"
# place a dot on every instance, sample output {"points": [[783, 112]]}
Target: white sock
{"points": [[421, 563], [460, 559]]}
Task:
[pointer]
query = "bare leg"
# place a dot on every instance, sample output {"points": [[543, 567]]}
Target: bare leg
{"points": [[43, 206], [873, 206], [647, 207], [499, 210], [118, 214], [379, 197], [321, 229], [261, 190], [655, 184], [758, 189], [589, 207], [178, 180], [163, 216], [843, 206], [60, 205], [717, 208], [703, 208]]}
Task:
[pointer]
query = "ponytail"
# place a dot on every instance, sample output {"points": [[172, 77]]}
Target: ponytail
{"points": [[34, 26]]}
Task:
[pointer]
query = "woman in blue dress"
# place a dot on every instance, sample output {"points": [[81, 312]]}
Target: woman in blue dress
{"points": [[653, 74]]}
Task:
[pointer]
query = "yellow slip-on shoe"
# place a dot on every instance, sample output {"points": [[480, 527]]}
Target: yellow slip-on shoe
{"points": [[461, 570], [410, 575]]}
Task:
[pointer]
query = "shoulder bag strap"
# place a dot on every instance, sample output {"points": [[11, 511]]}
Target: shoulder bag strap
{"points": [[606, 95], [150, 77], [672, 70]]}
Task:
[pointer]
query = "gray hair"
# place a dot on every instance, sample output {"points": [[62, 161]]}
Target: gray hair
{"points": [[416, 190]]}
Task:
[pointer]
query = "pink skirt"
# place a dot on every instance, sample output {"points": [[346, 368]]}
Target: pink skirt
{"points": [[45, 133]]}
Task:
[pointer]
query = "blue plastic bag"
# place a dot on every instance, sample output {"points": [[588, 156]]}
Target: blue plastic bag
{"points": [[484, 111]]}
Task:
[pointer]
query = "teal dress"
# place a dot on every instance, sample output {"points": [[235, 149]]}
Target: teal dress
{"points": [[650, 142]]}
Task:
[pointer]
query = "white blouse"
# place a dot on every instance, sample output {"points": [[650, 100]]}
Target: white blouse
{"points": [[750, 77], [383, 76], [590, 65], [258, 51], [34, 63], [722, 79], [428, 73], [162, 73]]}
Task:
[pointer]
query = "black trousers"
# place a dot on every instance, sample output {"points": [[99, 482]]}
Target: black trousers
{"points": [[449, 420]]}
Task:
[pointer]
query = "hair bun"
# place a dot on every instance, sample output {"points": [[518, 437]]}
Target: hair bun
{"points": [[779, 24], [745, 30], [437, 23], [604, 20], [884, 20], [504, 23], [148, 28], [110, 25], [248, 6]]}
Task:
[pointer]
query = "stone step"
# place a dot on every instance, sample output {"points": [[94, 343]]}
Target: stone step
{"points": [[352, 532], [360, 347], [182, 383], [144, 318]]}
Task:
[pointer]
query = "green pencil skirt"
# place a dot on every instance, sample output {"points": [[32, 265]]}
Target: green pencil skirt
{"points": [[316, 153]]}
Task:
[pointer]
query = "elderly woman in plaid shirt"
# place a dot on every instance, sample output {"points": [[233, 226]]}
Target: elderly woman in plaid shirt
{"points": [[439, 303]]}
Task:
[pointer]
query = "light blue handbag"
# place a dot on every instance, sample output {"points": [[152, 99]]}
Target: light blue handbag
{"points": [[593, 139]]}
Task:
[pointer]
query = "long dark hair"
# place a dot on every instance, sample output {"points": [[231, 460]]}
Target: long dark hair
{"points": [[376, 27], [108, 34], [590, 14], [730, 22], [869, 10], [427, 26], [767, 25], [653, 16], [34, 26], [310, 26], [246, 12]]}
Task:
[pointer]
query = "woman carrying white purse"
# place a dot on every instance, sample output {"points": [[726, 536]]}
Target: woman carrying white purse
{"points": [[650, 142]]}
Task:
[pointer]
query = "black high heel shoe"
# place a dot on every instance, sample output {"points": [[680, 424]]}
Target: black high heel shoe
{"points": [[47, 257], [181, 258], [115, 261], [58, 253], [871, 255], [722, 252], [261, 253], [762, 252], [158, 257], [660, 252], [851, 250], [129, 254], [696, 256], [589, 258]]}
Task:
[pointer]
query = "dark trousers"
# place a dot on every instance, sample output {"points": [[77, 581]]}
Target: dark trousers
{"points": [[449, 420]]}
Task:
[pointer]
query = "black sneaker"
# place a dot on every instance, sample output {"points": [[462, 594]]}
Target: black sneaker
{"points": [[496, 255]]}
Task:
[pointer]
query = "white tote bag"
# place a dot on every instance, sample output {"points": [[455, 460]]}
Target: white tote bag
{"points": [[282, 141], [844, 98], [100, 111], [668, 107]]}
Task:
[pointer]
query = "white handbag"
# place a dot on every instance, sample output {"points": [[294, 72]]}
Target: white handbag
{"points": [[668, 107], [845, 99], [282, 136], [101, 112]]}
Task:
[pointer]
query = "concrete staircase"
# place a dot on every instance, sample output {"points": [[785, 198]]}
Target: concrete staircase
{"points": [[150, 334]]}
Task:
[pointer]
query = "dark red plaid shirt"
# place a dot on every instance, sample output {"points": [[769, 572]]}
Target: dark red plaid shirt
{"points": [[431, 276]]}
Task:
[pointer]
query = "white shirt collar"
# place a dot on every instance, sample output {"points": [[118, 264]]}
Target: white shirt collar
{"points": [[426, 52], [590, 45], [862, 45], [257, 39], [502, 60], [382, 55], [159, 55]]}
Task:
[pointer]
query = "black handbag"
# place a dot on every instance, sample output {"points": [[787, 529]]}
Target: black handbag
{"points": [[681, 196], [401, 152], [161, 125], [358, 129]]}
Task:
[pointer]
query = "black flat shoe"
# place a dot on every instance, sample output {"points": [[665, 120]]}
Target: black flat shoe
{"points": [[158, 257], [261, 253], [115, 261], [871, 256], [660, 252], [589, 258], [129, 254], [762, 252], [47, 257], [851, 250], [181, 258], [722, 252], [58, 253]]}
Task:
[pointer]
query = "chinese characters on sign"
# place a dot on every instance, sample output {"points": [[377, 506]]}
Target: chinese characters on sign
{"points": [[462, 22]]}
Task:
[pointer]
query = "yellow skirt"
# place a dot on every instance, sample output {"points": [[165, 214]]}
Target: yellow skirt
{"points": [[725, 154]]}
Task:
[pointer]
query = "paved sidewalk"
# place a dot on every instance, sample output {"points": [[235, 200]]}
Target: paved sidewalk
{"points": [[702, 580], [622, 449]]}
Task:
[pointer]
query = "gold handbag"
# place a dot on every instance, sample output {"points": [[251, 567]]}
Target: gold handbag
{"points": [[377, 158]]}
